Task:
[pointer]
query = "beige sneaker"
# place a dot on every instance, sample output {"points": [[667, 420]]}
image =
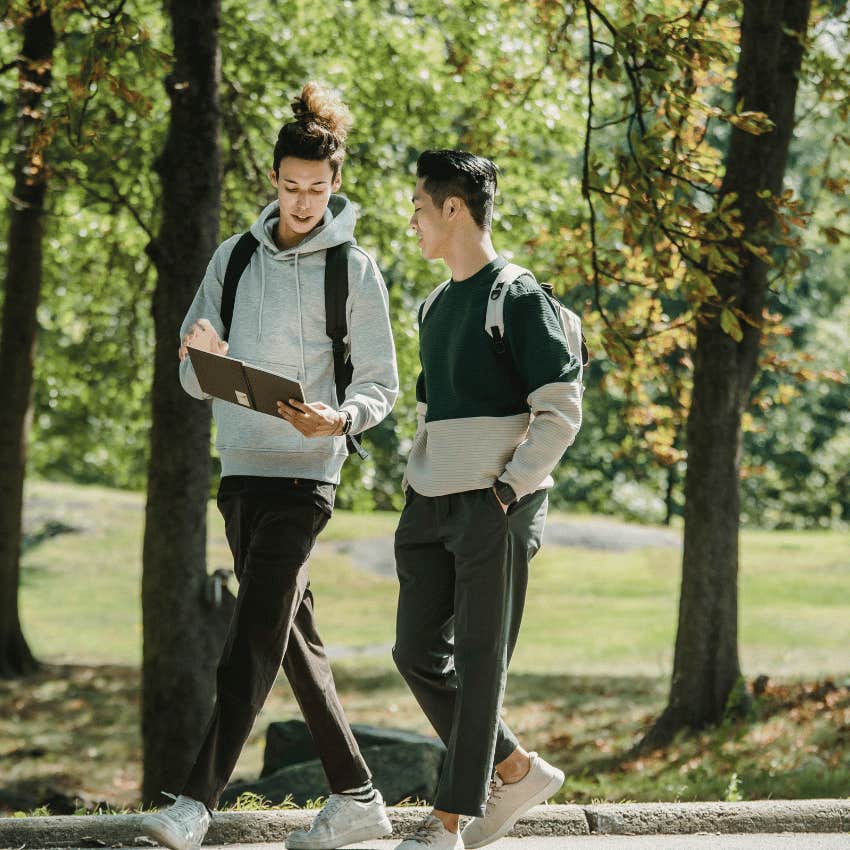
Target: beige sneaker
{"points": [[507, 803]]}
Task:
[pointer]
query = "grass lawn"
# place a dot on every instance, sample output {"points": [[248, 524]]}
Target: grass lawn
{"points": [[589, 673]]}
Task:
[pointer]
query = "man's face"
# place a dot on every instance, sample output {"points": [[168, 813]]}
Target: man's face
{"points": [[428, 223], [304, 187]]}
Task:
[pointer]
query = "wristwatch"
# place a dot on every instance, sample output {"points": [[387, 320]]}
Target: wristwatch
{"points": [[506, 493]]}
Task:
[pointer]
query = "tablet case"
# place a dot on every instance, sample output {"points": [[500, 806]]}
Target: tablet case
{"points": [[241, 383]]}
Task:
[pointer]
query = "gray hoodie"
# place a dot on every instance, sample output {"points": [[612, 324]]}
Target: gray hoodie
{"points": [[279, 324]]}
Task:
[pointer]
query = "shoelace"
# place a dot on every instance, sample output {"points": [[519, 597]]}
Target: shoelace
{"points": [[494, 794], [427, 831], [181, 808], [334, 802]]}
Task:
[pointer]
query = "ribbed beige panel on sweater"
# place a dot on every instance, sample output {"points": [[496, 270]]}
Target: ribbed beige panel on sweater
{"points": [[454, 455]]}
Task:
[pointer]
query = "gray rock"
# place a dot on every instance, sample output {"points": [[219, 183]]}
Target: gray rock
{"points": [[300, 783], [289, 742], [401, 771]]}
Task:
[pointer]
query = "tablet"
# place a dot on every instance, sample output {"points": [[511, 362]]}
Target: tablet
{"points": [[268, 388], [241, 383]]}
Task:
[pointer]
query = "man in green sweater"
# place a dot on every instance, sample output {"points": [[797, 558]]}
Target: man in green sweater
{"points": [[495, 417]]}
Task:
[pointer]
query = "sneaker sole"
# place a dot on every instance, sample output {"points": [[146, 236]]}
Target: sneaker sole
{"points": [[556, 782], [161, 833], [381, 829]]}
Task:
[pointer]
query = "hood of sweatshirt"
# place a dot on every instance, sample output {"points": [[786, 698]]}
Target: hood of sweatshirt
{"points": [[336, 228]]}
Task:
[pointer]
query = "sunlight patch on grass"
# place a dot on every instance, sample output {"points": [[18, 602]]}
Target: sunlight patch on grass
{"points": [[588, 611]]}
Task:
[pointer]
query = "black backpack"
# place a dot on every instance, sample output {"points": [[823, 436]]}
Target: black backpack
{"points": [[336, 294]]}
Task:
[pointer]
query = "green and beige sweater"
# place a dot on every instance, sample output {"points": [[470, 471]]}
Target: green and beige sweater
{"points": [[484, 417]]}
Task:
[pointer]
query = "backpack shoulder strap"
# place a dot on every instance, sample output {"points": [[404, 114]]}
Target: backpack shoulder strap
{"points": [[571, 323], [575, 338], [336, 326], [336, 321], [432, 297], [240, 257], [494, 320]]}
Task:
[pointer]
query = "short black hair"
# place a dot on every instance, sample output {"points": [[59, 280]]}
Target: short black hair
{"points": [[448, 173]]}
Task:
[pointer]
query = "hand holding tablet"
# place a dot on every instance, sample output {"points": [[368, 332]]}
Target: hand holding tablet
{"points": [[312, 420]]}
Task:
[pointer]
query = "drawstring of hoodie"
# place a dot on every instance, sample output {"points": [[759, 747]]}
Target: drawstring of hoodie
{"points": [[303, 375], [300, 320], [262, 294]]}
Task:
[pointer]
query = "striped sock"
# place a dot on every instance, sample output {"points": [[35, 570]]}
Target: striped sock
{"points": [[364, 794]]}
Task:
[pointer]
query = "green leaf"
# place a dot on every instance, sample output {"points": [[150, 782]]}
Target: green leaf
{"points": [[730, 324]]}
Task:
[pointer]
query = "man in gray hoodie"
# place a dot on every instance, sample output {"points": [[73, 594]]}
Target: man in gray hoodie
{"points": [[279, 475]]}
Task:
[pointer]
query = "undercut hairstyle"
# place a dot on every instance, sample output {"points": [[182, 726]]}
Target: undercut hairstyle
{"points": [[450, 173], [319, 130]]}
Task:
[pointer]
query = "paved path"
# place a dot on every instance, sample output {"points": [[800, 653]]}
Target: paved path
{"points": [[375, 554]]}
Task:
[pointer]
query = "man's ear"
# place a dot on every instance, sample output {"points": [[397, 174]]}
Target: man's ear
{"points": [[273, 177], [452, 207], [337, 181]]}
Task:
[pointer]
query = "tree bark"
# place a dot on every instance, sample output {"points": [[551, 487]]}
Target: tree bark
{"points": [[22, 289], [670, 493], [182, 632], [706, 683]]}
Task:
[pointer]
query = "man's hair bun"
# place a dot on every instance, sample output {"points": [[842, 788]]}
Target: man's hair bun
{"points": [[319, 130], [317, 104]]}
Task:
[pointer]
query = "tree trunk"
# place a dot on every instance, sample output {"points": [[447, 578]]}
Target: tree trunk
{"points": [[17, 344], [182, 633], [706, 683], [670, 494]]}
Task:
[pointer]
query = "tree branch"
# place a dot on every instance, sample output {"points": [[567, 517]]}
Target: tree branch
{"points": [[621, 120], [585, 180], [124, 202]]}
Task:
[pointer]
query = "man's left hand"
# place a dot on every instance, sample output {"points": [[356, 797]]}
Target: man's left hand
{"points": [[313, 419]]}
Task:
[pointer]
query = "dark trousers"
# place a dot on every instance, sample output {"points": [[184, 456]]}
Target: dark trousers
{"points": [[463, 571], [271, 525]]}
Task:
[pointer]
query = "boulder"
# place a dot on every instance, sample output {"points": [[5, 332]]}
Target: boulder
{"points": [[400, 771], [289, 742]]}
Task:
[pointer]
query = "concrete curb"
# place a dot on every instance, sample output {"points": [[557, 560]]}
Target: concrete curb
{"points": [[772, 816], [687, 818]]}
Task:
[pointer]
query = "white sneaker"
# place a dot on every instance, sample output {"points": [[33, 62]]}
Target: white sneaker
{"points": [[343, 821], [181, 826], [507, 803], [431, 833]]}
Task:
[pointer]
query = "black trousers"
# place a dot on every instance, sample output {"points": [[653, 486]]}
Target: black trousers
{"points": [[271, 526], [463, 572]]}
